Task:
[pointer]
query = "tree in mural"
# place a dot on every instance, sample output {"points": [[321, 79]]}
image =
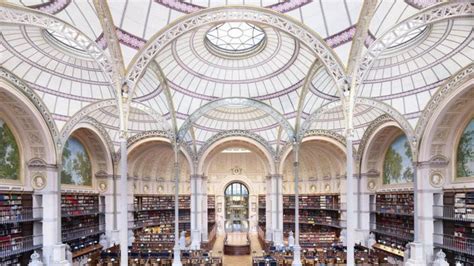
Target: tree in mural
{"points": [[465, 152], [392, 166], [9, 154], [77, 169], [408, 173]]}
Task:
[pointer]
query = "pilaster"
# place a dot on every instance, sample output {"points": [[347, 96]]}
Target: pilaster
{"points": [[197, 197], [268, 209]]}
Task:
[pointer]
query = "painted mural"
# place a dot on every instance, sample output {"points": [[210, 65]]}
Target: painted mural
{"points": [[77, 168], [465, 152], [397, 165], [9, 154]]}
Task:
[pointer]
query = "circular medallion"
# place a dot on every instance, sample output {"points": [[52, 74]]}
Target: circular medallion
{"points": [[436, 179], [102, 187], [145, 188], [327, 187], [38, 182], [371, 185]]}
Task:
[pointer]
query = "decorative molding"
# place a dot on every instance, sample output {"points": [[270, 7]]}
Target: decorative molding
{"points": [[379, 121], [147, 134], [437, 179], [38, 163], [38, 182], [437, 161], [101, 174]]}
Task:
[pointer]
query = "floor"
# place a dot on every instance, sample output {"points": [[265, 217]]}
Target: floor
{"points": [[237, 260]]}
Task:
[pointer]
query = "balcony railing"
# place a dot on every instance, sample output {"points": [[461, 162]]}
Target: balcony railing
{"points": [[83, 232], [450, 213], [19, 245], [392, 232], [458, 244], [392, 209], [69, 211], [21, 215]]}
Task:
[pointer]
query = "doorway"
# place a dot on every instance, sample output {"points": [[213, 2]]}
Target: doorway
{"points": [[236, 207]]}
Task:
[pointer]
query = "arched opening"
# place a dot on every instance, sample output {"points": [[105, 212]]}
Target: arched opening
{"points": [[236, 207], [9, 154]]}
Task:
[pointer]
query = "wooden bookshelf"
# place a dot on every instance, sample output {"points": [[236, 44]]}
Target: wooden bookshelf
{"points": [[211, 212], [154, 220], [457, 215], [319, 218], [82, 221], [17, 217], [393, 220]]}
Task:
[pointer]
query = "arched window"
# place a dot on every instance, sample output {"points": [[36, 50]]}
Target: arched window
{"points": [[9, 154], [237, 207], [236, 189], [397, 165], [76, 163], [465, 152]]}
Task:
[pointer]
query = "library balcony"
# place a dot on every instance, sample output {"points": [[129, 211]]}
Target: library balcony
{"points": [[74, 210], [392, 209], [20, 215], [454, 243], [452, 213], [69, 235], [403, 234], [20, 245]]}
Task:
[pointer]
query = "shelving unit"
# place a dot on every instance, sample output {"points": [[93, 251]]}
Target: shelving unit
{"points": [[262, 212], [211, 212], [82, 221], [17, 216], [392, 220], [153, 223], [457, 216], [320, 219]]}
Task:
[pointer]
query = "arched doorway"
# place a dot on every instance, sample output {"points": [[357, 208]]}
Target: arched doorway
{"points": [[236, 207]]}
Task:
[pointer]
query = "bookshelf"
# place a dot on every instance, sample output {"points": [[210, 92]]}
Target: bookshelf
{"points": [[153, 223], [211, 212], [262, 211], [17, 217], [82, 220], [457, 216], [392, 220], [320, 219]]}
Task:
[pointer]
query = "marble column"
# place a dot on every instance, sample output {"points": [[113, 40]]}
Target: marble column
{"points": [[176, 249], [363, 209], [277, 209], [123, 203], [54, 251], [268, 209], [204, 216], [296, 172], [350, 200], [196, 211]]}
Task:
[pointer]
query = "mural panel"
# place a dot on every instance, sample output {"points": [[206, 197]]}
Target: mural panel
{"points": [[77, 168], [465, 152], [397, 165], [9, 154]]}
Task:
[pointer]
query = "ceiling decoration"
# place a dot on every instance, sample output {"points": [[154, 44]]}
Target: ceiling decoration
{"points": [[235, 38]]}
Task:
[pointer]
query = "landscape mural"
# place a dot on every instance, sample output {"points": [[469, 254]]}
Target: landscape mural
{"points": [[397, 166], [77, 169], [9, 154], [465, 152]]}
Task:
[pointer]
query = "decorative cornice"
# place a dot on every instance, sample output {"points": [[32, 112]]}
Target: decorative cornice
{"points": [[38, 163], [437, 161]]}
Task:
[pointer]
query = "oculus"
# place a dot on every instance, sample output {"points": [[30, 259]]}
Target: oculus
{"points": [[235, 38]]}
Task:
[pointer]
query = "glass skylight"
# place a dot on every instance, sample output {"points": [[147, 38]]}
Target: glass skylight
{"points": [[63, 40], [411, 36], [235, 37]]}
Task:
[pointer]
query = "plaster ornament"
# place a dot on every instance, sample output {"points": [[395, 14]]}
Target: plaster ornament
{"points": [[236, 170], [371, 185], [313, 188], [160, 189], [145, 188], [35, 259], [38, 182], [436, 179], [102, 186], [327, 187]]}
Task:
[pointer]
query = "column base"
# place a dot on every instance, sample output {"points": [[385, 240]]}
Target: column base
{"points": [[416, 255], [177, 256], [196, 241], [278, 237], [297, 256], [59, 256]]}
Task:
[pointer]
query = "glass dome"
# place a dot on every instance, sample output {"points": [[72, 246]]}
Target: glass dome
{"points": [[235, 37]]}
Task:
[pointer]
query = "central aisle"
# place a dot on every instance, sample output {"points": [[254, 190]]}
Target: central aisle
{"points": [[237, 260]]}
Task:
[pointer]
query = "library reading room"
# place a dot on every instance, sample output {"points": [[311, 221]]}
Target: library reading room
{"points": [[236, 132]]}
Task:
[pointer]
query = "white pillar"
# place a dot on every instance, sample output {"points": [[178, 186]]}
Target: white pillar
{"points": [[350, 200], [123, 203], [204, 216], [110, 209], [176, 249], [277, 209], [363, 210], [296, 248], [54, 252], [196, 211], [268, 209]]}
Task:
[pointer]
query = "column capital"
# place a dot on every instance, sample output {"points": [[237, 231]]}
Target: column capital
{"points": [[197, 176], [275, 176]]}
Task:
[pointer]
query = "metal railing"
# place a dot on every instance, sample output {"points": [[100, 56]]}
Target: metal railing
{"points": [[391, 209], [83, 232], [392, 232], [458, 244], [20, 215], [450, 213], [70, 211], [19, 245]]}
